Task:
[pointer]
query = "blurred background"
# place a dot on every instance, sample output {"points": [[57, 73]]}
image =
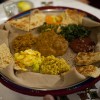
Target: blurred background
{"points": [[94, 3]]}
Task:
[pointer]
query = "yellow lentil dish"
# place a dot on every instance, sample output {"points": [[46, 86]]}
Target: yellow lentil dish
{"points": [[54, 66], [30, 60]]}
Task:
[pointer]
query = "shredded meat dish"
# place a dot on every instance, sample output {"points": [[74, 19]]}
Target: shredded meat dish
{"points": [[23, 42], [50, 43]]}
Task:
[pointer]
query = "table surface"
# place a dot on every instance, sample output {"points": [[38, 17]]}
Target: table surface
{"points": [[7, 94]]}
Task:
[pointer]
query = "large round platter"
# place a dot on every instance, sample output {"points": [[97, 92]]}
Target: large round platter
{"points": [[58, 92]]}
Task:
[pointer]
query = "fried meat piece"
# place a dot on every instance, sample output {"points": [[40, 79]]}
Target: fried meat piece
{"points": [[82, 45]]}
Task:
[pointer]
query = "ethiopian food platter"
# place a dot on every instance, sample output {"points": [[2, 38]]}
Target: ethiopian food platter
{"points": [[50, 50]]}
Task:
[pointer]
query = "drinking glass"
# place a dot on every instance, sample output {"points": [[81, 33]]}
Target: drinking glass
{"points": [[10, 8]]}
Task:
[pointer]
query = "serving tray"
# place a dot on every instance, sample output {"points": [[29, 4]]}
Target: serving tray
{"points": [[58, 92]]}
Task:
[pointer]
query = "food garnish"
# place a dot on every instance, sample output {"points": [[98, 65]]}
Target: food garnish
{"points": [[53, 19]]}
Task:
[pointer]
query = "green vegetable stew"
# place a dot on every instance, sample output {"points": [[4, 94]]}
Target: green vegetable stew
{"points": [[70, 32], [73, 31]]}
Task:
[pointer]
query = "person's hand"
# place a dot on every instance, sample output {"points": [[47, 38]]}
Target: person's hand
{"points": [[48, 97]]}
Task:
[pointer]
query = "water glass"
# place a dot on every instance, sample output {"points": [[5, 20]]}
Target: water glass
{"points": [[10, 8]]}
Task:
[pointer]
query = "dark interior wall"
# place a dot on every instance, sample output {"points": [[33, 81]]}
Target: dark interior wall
{"points": [[1, 1], [95, 3]]}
